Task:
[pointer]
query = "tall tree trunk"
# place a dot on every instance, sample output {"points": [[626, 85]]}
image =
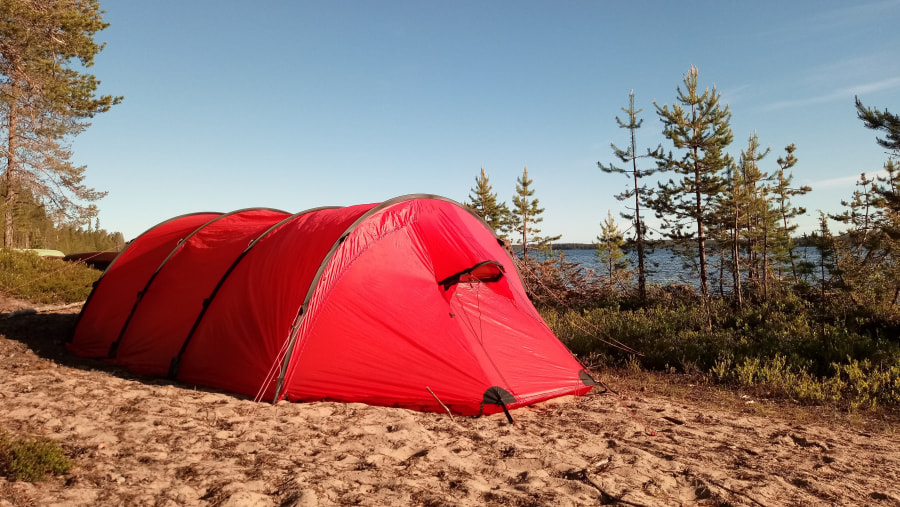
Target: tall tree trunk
{"points": [[701, 238], [752, 232], [736, 253], [721, 273], [866, 228], [642, 280], [790, 243], [609, 263], [701, 246], [765, 262], [822, 270], [12, 130], [525, 238]]}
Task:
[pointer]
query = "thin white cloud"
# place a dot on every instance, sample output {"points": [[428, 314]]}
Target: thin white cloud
{"points": [[857, 65], [885, 84], [845, 181], [851, 16], [734, 95], [844, 93], [856, 14]]}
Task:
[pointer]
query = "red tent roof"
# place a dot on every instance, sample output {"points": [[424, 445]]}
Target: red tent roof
{"points": [[402, 303]]}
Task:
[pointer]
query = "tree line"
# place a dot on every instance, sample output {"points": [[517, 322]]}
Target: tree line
{"points": [[732, 218], [34, 228]]}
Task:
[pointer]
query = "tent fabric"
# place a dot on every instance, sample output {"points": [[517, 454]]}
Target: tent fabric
{"points": [[109, 309], [413, 302]]}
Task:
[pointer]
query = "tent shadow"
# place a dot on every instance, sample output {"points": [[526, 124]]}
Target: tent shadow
{"points": [[46, 334]]}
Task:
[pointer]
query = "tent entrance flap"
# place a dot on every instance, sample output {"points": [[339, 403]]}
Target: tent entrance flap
{"points": [[485, 271]]}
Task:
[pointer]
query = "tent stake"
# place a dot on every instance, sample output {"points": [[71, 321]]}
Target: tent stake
{"points": [[441, 402], [506, 411]]}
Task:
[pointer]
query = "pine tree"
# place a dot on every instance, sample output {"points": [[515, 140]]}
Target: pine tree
{"points": [[861, 212], [640, 193], [483, 201], [610, 243], [757, 214], [872, 242], [888, 189], [783, 192], [858, 251], [881, 120], [825, 244], [45, 99], [728, 232], [526, 214], [875, 217], [701, 129]]}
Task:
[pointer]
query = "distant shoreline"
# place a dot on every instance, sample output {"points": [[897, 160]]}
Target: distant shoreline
{"points": [[629, 245]]}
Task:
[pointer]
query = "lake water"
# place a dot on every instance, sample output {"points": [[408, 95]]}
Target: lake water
{"points": [[666, 267]]}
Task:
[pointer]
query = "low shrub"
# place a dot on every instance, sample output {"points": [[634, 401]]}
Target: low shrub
{"points": [[777, 378], [788, 346], [31, 459], [26, 275], [854, 384], [869, 385]]}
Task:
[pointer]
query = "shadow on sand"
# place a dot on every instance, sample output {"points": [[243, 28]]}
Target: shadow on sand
{"points": [[46, 335]]}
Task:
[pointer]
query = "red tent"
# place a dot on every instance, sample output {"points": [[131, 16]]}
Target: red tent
{"points": [[402, 303]]}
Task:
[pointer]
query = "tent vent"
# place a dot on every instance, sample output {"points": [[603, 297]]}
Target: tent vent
{"points": [[485, 271]]}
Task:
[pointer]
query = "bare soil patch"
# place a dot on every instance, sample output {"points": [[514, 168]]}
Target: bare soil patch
{"points": [[143, 441]]}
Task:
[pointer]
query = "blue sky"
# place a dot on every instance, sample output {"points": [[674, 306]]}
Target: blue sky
{"points": [[294, 105]]}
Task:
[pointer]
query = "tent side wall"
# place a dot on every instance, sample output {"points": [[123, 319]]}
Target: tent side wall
{"points": [[245, 327], [171, 303], [115, 293], [176, 362]]}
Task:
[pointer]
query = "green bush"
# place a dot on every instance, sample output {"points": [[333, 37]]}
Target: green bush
{"points": [[788, 346], [868, 385], [854, 383], [31, 459], [25, 275], [778, 378]]}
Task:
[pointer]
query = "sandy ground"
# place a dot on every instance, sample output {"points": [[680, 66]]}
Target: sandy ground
{"points": [[140, 441]]}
